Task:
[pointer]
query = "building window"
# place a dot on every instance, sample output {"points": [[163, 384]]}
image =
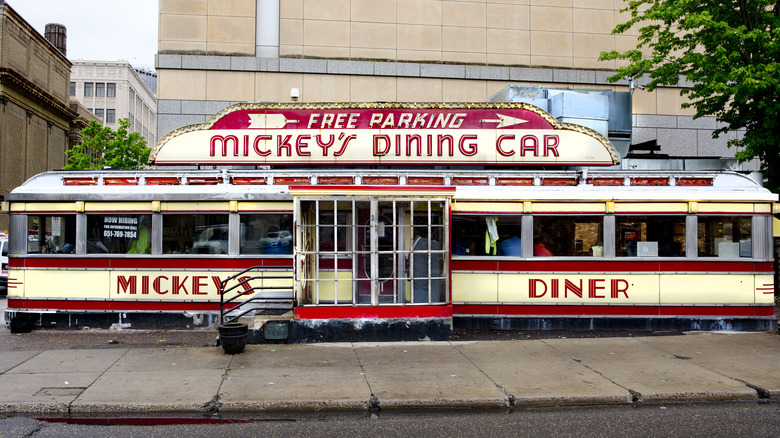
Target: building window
{"points": [[266, 233], [99, 112], [195, 234], [725, 236], [119, 234], [51, 234], [73, 89], [100, 89], [568, 236], [110, 89], [110, 115], [471, 235], [88, 89], [650, 236]]}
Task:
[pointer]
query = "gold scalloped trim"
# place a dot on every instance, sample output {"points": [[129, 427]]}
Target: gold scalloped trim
{"points": [[387, 105]]}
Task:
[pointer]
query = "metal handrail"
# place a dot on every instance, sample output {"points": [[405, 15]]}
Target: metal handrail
{"points": [[222, 291]]}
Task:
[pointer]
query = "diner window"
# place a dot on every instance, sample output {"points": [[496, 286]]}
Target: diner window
{"points": [[111, 89], [568, 236], [51, 234], [195, 234], [100, 89], [487, 235], [266, 233], [650, 236], [88, 89], [119, 234], [725, 236]]}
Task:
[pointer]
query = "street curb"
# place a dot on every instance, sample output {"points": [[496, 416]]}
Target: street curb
{"points": [[310, 406]]}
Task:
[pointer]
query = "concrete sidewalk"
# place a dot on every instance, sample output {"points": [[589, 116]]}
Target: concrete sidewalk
{"points": [[366, 376]]}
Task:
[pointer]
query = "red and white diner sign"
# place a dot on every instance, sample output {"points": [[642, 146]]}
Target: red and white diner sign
{"points": [[387, 134]]}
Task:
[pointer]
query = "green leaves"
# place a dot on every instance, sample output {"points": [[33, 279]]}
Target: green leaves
{"points": [[728, 51], [102, 147]]}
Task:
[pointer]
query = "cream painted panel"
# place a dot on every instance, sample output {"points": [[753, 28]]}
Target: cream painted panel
{"points": [[327, 286], [595, 289], [764, 289], [474, 287], [707, 289], [79, 284]]}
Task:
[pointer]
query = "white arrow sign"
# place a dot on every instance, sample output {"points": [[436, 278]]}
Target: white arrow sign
{"points": [[504, 121], [262, 121]]}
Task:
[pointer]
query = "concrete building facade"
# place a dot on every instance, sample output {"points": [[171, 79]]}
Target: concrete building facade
{"points": [[35, 116], [214, 53], [112, 91]]}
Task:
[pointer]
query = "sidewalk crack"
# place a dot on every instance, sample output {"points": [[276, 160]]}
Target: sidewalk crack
{"points": [[511, 400], [636, 397], [70, 404], [373, 404]]}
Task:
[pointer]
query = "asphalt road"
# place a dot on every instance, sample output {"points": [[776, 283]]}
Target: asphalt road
{"points": [[684, 420]]}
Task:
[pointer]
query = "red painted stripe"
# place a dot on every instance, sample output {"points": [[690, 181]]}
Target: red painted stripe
{"points": [[379, 188], [170, 262], [383, 312], [562, 310], [115, 306], [604, 266]]}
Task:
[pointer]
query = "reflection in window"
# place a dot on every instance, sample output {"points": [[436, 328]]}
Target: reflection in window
{"points": [[650, 236], [119, 234], [725, 236], [51, 234], [568, 236], [266, 234], [471, 235], [195, 234]]}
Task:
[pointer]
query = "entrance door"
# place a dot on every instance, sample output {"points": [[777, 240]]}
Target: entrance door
{"points": [[372, 251]]}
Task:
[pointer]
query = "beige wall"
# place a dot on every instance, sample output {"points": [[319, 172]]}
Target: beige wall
{"points": [[241, 86], [207, 26], [557, 33]]}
